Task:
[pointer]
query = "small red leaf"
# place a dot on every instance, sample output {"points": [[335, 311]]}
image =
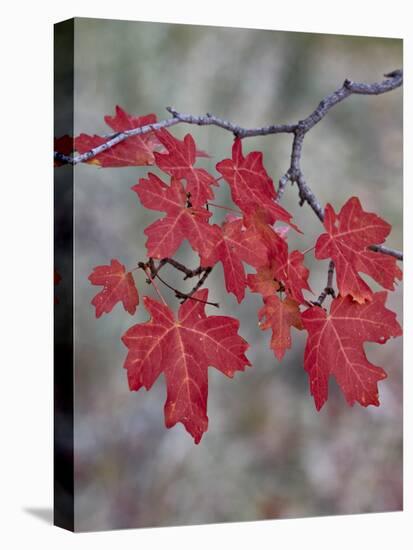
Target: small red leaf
{"points": [[349, 234], [263, 281], [179, 162], [286, 269], [183, 348], [335, 347], [293, 273], [118, 286], [280, 316], [251, 186]]}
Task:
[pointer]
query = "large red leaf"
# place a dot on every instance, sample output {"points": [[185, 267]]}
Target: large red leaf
{"points": [[182, 222], [179, 162], [251, 186], [133, 151], [118, 286], [235, 245], [349, 234], [182, 349], [280, 316], [335, 347]]}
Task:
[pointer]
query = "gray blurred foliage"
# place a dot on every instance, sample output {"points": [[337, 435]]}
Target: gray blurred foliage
{"points": [[267, 453]]}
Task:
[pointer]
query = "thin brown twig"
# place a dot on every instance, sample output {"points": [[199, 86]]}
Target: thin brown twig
{"points": [[328, 290], [189, 295], [198, 285], [189, 273], [152, 272]]}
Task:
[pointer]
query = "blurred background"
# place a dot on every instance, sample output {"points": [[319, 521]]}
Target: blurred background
{"points": [[268, 453]]}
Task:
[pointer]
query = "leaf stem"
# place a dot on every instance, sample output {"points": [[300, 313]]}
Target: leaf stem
{"points": [[155, 286], [225, 208], [308, 250]]}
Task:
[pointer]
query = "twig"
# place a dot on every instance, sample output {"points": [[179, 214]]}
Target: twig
{"points": [[189, 296], [181, 267], [282, 184], [152, 271], [328, 290], [198, 285]]}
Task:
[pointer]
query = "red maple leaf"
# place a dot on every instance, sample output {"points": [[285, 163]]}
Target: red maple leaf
{"points": [[262, 222], [179, 162], [251, 186], [118, 286], [349, 234], [183, 348], [335, 347], [182, 222], [264, 281], [293, 273], [282, 268], [280, 316], [133, 151], [236, 244]]}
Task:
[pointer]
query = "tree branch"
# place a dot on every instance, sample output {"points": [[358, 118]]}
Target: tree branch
{"points": [[393, 80]]}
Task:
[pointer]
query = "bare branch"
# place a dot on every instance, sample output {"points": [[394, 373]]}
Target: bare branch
{"points": [[394, 80]]}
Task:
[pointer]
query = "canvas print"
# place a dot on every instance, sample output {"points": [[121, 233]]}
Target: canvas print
{"points": [[228, 274]]}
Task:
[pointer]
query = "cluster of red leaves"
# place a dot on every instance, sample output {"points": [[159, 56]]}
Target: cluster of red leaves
{"points": [[183, 346]]}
